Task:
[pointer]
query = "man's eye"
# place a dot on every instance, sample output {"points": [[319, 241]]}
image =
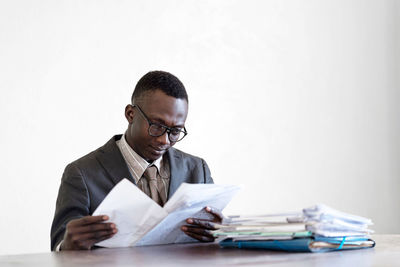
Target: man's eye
{"points": [[175, 131], [158, 127]]}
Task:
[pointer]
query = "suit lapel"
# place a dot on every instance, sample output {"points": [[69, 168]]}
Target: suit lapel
{"points": [[111, 159], [176, 169]]}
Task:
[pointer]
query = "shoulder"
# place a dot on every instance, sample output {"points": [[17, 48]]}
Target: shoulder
{"points": [[90, 160], [179, 154], [194, 167], [185, 159]]}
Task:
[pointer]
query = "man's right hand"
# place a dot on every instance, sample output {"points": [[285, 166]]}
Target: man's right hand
{"points": [[83, 233]]}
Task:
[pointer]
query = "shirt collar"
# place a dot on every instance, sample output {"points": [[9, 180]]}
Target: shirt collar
{"points": [[137, 165]]}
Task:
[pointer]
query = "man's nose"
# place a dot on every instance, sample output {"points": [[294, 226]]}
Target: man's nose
{"points": [[163, 139]]}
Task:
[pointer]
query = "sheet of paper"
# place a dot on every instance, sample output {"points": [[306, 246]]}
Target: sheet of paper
{"points": [[326, 221], [322, 212], [133, 212], [140, 221], [188, 201]]}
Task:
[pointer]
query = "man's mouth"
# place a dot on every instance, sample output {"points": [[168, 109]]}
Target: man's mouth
{"points": [[158, 150]]}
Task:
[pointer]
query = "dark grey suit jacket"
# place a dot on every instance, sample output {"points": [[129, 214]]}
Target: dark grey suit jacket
{"points": [[87, 181]]}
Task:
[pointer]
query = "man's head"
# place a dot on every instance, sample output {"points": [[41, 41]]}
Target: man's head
{"points": [[159, 99]]}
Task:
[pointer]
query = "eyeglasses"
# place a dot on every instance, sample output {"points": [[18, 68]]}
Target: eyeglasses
{"points": [[175, 134]]}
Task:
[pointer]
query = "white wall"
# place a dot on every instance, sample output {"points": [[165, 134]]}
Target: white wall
{"points": [[296, 100]]}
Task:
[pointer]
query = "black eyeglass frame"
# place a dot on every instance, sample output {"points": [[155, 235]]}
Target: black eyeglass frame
{"points": [[166, 128]]}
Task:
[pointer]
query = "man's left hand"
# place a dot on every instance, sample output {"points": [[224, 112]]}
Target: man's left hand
{"points": [[200, 229]]}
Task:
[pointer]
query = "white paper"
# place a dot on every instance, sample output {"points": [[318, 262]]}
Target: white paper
{"points": [[326, 221], [188, 201], [141, 221], [132, 211], [322, 212]]}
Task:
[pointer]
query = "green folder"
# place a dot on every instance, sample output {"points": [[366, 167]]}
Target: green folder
{"points": [[307, 244]]}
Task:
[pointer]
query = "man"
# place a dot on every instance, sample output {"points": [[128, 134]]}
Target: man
{"points": [[144, 154]]}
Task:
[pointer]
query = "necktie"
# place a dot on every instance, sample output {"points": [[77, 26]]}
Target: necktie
{"points": [[151, 176]]}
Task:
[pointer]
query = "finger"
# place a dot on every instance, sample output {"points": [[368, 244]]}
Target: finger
{"points": [[88, 244], [94, 228], [203, 223], [217, 214], [96, 235], [82, 241], [88, 220], [198, 231], [200, 237]]}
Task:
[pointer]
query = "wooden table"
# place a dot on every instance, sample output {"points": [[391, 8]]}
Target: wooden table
{"points": [[386, 253]]}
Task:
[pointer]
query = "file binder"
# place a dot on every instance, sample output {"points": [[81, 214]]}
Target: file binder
{"points": [[310, 244]]}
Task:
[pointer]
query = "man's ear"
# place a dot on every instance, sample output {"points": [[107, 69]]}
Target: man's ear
{"points": [[129, 113]]}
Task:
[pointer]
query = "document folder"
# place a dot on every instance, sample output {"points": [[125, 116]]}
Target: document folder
{"points": [[311, 244]]}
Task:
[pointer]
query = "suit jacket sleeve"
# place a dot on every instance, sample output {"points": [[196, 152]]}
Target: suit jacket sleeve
{"points": [[72, 202], [207, 174]]}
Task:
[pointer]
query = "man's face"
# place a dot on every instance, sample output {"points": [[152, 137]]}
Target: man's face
{"points": [[159, 108]]}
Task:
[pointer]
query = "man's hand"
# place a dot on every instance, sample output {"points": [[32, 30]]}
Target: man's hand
{"points": [[200, 229], [83, 233]]}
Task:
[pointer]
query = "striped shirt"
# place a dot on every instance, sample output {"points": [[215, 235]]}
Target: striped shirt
{"points": [[137, 165]]}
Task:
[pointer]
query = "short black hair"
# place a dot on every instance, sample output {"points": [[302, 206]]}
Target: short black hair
{"points": [[160, 80]]}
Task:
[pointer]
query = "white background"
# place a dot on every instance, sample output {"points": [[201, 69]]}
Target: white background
{"points": [[296, 100]]}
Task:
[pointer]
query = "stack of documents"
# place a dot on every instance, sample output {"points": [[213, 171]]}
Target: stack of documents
{"points": [[325, 221], [141, 221], [315, 229]]}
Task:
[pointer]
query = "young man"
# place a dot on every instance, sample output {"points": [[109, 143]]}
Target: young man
{"points": [[144, 154]]}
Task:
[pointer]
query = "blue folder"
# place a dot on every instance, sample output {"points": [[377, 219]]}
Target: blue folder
{"points": [[301, 244]]}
